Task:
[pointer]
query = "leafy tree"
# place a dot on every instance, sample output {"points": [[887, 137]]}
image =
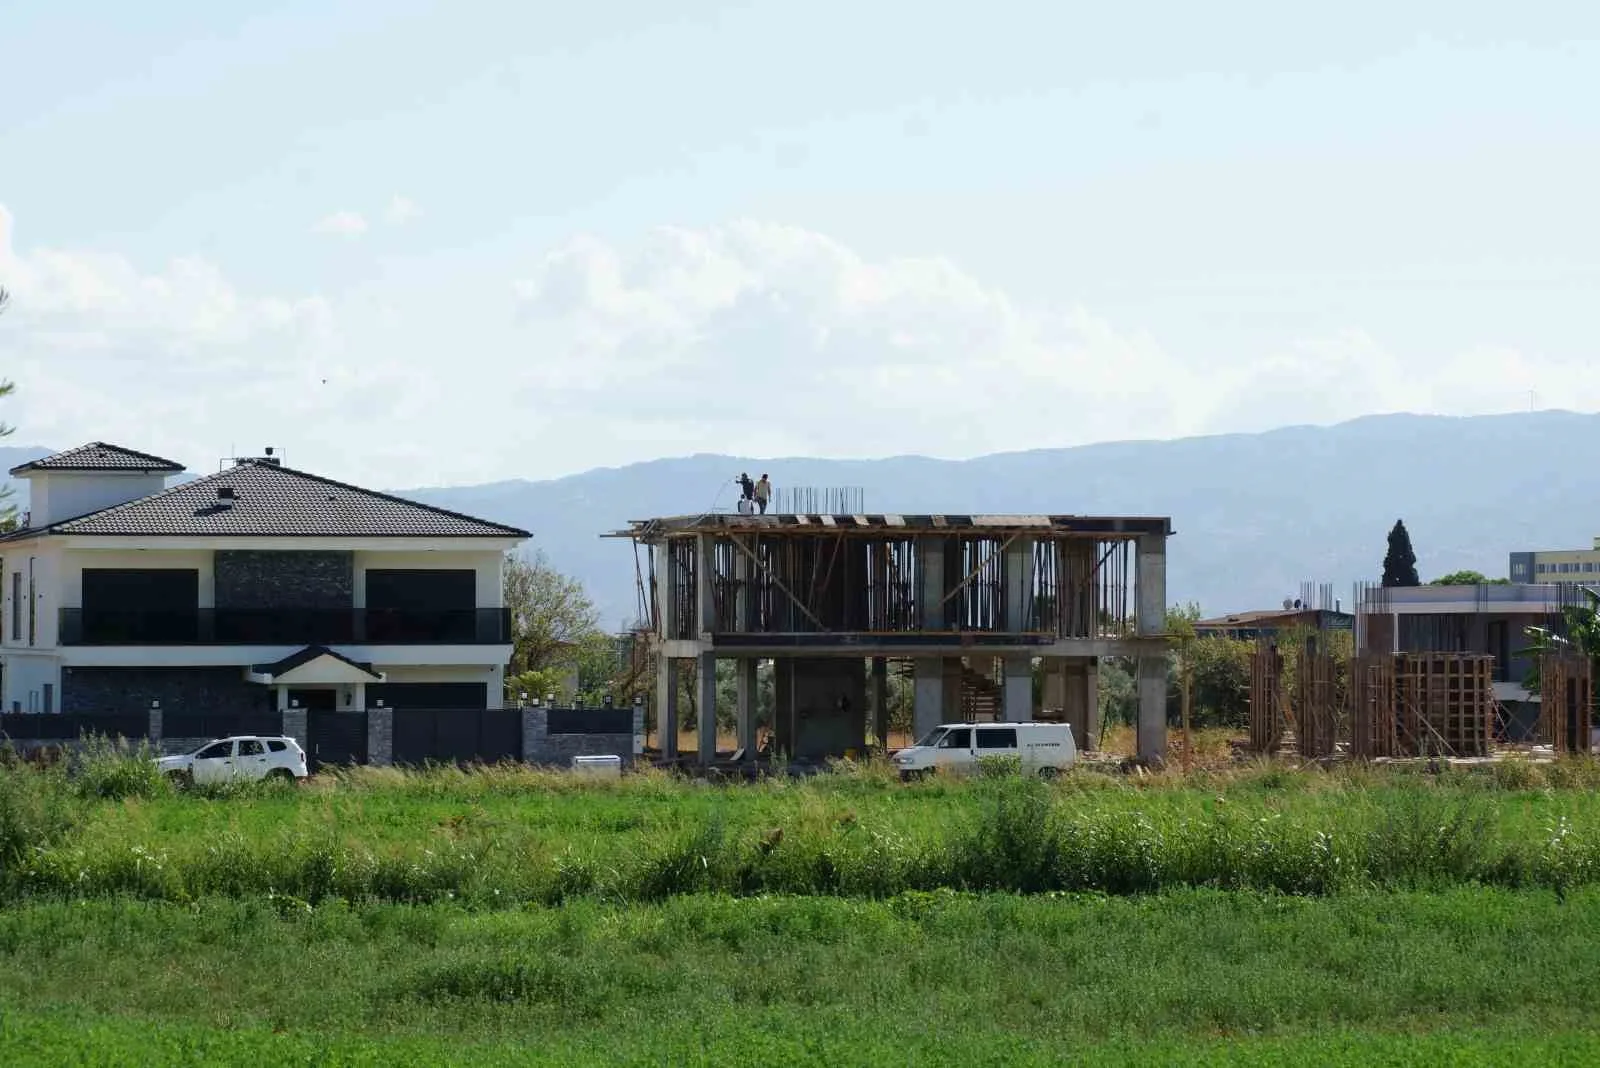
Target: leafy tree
{"points": [[1468, 578], [554, 624], [1400, 562], [1582, 637], [8, 508]]}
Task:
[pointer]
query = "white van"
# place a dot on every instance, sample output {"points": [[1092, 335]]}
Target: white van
{"points": [[1046, 749]]}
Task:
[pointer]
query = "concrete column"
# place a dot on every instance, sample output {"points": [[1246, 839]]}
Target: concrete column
{"points": [[1150, 584], [664, 590], [745, 689], [704, 595], [931, 562], [880, 701], [1091, 700], [667, 706], [950, 672], [927, 696], [1018, 692], [153, 732], [705, 681], [380, 737], [1152, 689], [744, 579], [1019, 584], [358, 698], [783, 718]]}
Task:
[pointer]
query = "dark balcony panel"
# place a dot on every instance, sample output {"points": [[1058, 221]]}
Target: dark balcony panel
{"points": [[285, 626]]}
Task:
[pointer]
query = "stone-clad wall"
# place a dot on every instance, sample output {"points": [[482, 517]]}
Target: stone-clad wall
{"points": [[284, 579], [541, 747], [179, 689]]}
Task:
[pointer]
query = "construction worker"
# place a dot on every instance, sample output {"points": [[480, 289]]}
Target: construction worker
{"points": [[763, 493]]}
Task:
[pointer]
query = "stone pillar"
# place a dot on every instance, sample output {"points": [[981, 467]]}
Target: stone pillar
{"points": [[1150, 582], [1018, 692], [745, 691], [153, 732], [294, 726], [380, 737], [950, 671], [880, 702], [638, 729], [1152, 690], [706, 704], [535, 729], [927, 696], [1019, 585], [667, 706]]}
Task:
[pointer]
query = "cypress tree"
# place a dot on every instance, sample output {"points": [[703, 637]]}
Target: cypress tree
{"points": [[1400, 562]]}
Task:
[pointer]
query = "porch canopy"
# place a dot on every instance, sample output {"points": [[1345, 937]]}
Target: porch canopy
{"points": [[315, 665]]}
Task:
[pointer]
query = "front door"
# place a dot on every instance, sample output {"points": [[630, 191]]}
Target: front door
{"points": [[955, 749]]}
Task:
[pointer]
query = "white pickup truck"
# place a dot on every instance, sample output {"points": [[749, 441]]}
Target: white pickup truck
{"points": [[241, 758], [1045, 749]]}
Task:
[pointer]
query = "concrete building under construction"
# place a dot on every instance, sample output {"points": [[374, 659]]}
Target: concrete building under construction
{"points": [[964, 604]]}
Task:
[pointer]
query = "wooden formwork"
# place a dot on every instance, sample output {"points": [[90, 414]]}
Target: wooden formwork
{"points": [[1444, 703], [1566, 697], [1372, 720], [1316, 701], [1266, 698]]}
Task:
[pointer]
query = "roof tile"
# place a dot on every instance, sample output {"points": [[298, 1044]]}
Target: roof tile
{"points": [[99, 456], [273, 501]]}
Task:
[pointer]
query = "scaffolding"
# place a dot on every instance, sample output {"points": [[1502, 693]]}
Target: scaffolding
{"points": [[1267, 720], [1444, 703], [1317, 704], [1566, 699]]}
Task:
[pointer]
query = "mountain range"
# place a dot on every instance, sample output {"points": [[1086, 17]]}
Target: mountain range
{"points": [[1255, 515]]}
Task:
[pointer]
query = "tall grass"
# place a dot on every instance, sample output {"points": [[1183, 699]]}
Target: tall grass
{"points": [[507, 836]]}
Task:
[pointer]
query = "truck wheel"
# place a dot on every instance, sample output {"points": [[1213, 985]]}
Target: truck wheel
{"points": [[281, 775]]}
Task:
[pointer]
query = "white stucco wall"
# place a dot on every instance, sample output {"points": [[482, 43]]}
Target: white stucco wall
{"points": [[25, 676], [68, 494], [75, 561], [43, 563]]}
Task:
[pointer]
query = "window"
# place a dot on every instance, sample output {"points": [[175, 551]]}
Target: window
{"points": [[957, 739], [276, 746], [997, 738], [217, 751], [16, 606], [250, 747], [33, 615]]}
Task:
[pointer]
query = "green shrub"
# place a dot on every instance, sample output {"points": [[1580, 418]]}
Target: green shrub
{"points": [[112, 769]]}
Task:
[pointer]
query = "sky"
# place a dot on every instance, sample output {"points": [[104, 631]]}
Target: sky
{"points": [[412, 243]]}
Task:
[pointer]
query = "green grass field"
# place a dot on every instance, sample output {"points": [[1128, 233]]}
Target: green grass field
{"points": [[1262, 915]]}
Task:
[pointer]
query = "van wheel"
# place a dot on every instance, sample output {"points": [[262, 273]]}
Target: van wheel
{"points": [[281, 775], [180, 780], [1049, 773]]}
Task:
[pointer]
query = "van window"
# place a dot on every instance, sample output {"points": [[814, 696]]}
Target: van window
{"points": [[931, 739], [275, 745], [250, 747], [957, 739], [215, 752], [997, 738]]}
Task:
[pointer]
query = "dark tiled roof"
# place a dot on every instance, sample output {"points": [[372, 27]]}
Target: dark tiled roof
{"points": [[98, 456], [270, 501], [306, 656]]}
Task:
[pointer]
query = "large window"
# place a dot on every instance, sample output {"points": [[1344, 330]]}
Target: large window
{"points": [[16, 606], [422, 605], [146, 606]]}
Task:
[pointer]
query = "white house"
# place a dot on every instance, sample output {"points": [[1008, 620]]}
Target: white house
{"points": [[244, 591]]}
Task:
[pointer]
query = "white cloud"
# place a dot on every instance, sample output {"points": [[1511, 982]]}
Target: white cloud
{"points": [[756, 338], [342, 224], [402, 210]]}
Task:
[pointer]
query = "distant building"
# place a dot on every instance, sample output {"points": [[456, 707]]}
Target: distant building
{"points": [[1248, 626], [1564, 566]]}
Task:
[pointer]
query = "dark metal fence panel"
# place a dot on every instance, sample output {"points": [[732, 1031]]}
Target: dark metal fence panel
{"points": [[589, 721], [50, 727], [219, 724], [456, 735], [336, 738]]}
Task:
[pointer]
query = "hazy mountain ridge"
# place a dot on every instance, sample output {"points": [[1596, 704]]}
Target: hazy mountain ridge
{"points": [[1255, 514]]}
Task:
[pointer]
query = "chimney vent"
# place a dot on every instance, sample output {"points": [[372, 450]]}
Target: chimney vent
{"points": [[225, 493]]}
